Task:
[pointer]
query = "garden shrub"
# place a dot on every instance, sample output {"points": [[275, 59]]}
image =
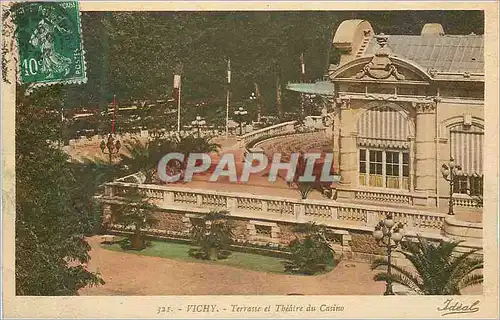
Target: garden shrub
{"points": [[311, 253], [214, 235]]}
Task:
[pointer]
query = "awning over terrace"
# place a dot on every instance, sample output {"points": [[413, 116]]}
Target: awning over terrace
{"points": [[321, 87]]}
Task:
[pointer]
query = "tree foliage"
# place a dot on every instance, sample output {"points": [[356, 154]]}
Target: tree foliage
{"points": [[54, 208], [213, 233], [439, 269], [311, 253], [135, 210], [133, 54], [144, 156]]}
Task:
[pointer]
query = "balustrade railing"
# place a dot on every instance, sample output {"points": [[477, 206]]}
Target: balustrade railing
{"points": [[399, 196], [347, 215], [464, 200], [277, 129]]}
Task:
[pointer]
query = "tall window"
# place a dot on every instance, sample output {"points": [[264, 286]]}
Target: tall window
{"points": [[392, 169], [466, 147], [375, 167], [471, 185], [384, 168]]}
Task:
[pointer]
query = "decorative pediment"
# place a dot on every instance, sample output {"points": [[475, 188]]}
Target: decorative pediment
{"points": [[381, 66]]}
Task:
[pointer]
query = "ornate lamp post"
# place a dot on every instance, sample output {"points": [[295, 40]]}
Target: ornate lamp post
{"points": [[240, 114], [198, 123], [388, 235], [110, 147], [449, 173], [253, 99]]}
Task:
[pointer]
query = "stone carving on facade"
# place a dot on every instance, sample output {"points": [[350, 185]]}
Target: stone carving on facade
{"points": [[381, 97], [432, 72], [424, 107], [381, 66], [345, 103]]}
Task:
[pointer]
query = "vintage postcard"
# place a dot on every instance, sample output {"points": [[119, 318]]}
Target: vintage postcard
{"points": [[249, 160]]}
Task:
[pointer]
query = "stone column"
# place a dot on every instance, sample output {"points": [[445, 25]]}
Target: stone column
{"points": [[336, 138], [425, 149], [348, 151]]}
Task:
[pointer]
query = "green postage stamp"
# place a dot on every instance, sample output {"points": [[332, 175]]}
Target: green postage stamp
{"points": [[49, 40]]}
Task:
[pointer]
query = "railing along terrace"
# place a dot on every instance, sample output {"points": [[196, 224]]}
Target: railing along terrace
{"points": [[328, 212], [277, 129]]}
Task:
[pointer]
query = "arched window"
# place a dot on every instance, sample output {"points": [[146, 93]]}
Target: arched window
{"points": [[383, 146], [466, 147]]}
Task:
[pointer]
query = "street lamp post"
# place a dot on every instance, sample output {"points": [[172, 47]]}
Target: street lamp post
{"points": [[253, 98], [449, 173], [388, 235], [240, 114], [198, 123], [110, 147]]}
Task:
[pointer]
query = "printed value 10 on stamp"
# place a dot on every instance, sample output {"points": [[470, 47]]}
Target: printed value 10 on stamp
{"points": [[49, 41]]}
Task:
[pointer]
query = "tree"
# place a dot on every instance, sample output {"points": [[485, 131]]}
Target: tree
{"points": [[311, 253], [193, 144], [213, 234], [54, 210], [144, 156], [304, 187], [89, 177], [438, 268], [135, 210]]}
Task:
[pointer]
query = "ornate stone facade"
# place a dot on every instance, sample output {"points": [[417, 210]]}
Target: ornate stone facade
{"points": [[400, 113]]}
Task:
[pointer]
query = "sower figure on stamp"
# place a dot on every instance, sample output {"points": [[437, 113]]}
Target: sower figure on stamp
{"points": [[52, 62]]}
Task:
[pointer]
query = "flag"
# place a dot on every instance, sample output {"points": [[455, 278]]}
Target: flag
{"points": [[177, 81], [229, 71], [302, 66]]}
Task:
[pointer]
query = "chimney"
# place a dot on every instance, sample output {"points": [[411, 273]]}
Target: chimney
{"points": [[432, 29]]}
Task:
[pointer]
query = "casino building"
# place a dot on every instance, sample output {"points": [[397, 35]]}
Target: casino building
{"points": [[402, 106]]}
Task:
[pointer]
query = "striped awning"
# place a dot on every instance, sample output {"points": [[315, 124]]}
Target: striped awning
{"points": [[384, 126], [466, 145], [380, 143]]}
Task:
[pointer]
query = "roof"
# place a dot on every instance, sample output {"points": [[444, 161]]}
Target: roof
{"points": [[445, 53]]}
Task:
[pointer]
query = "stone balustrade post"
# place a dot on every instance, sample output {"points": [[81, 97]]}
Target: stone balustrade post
{"points": [[372, 218], [199, 199], [168, 197], [410, 223], [264, 206], [334, 213], [299, 210], [232, 204]]}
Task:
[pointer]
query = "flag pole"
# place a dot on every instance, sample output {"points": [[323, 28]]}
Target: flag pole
{"points": [[179, 109], [302, 78], [227, 113], [227, 96], [114, 115]]}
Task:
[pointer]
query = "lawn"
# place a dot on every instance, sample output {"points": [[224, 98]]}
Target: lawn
{"points": [[179, 251]]}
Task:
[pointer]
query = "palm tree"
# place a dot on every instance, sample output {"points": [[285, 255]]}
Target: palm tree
{"points": [[312, 252], [304, 187], [144, 156], [135, 210], [439, 269], [195, 144], [213, 234]]}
